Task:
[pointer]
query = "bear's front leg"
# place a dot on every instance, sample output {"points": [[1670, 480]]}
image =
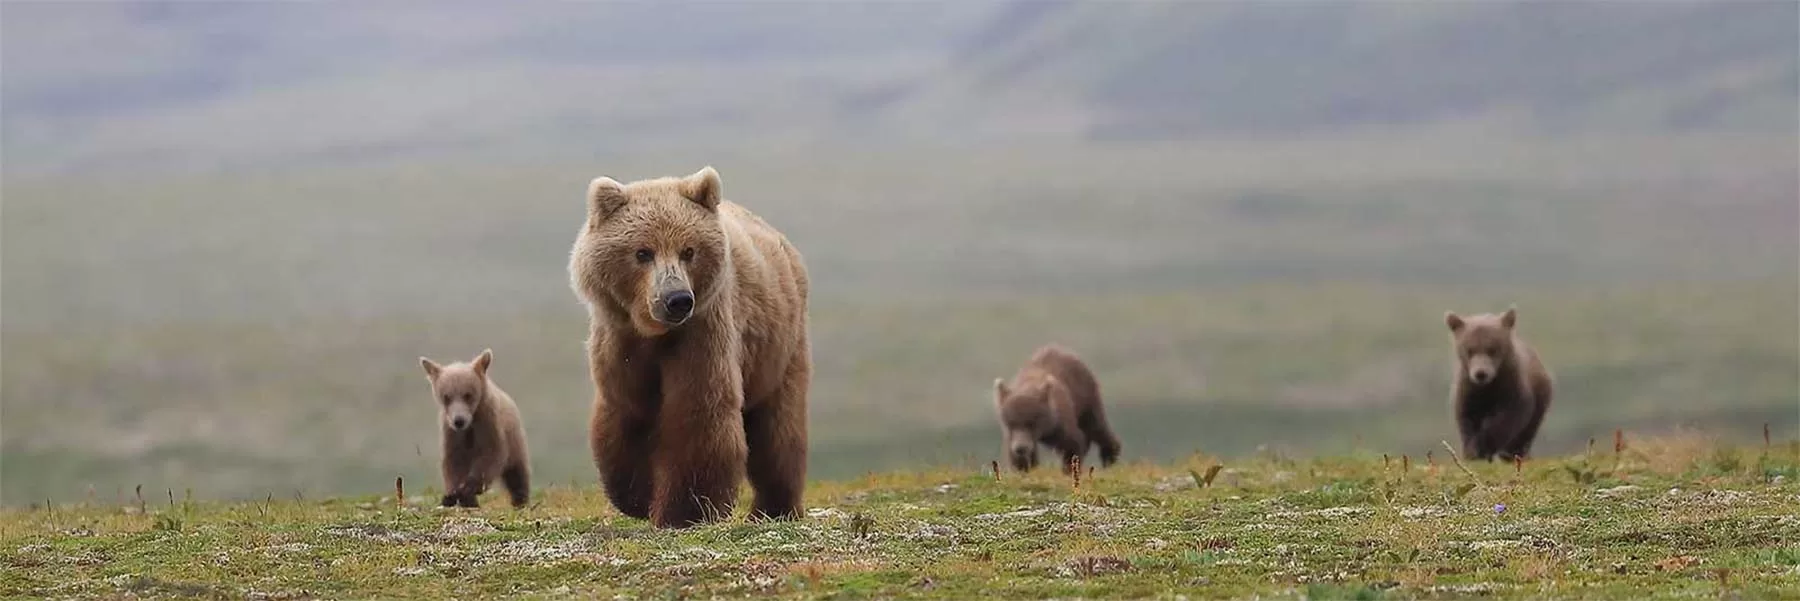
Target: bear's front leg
{"points": [[455, 470], [461, 494], [623, 421], [699, 462], [620, 438], [700, 448], [775, 431], [1497, 431], [518, 483], [1468, 426], [1073, 447]]}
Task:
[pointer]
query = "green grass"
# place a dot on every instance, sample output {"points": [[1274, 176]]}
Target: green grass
{"points": [[1670, 517]]}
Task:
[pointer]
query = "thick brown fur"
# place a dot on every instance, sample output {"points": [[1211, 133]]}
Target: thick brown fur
{"points": [[1501, 391], [687, 408], [1053, 400], [482, 435]]}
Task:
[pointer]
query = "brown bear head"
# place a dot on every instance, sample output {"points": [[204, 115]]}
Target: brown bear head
{"points": [[1483, 343], [653, 252], [1028, 413], [460, 388]]}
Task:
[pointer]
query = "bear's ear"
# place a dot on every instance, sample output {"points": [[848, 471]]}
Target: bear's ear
{"points": [[482, 361], [605, 195], [1455, 322], [431, 368], [703, 188], [999, 389], [1510, 317]]}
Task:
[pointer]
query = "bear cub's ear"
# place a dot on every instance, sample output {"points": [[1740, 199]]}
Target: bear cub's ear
{"points": [[703, 188], [1510, 317], [1453, 320], [605, 195], [999, 389], [431, 368], [482, 361]]}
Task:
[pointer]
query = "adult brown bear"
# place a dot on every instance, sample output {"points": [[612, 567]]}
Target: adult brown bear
{"points": [[698, 350]]}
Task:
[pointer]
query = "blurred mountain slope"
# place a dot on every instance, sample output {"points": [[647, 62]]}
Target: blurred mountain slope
{"points": [[155, 85]]}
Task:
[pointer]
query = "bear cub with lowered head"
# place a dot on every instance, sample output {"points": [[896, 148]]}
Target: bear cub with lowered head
{"points": [[698, 351], [1054, 401], [1502, 390], [483, 438]]}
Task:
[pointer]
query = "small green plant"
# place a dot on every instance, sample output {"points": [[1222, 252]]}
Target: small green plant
{"points": [[1356, 592], [1206, 480], [1726, 459], [859, 525], [166, 523], [1581, 475]]}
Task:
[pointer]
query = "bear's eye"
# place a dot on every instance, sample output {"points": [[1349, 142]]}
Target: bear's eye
{"points": [[644, 255], [446, 398], [468, 397], [687, 254]]}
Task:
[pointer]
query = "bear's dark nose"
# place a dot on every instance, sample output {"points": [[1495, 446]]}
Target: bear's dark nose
{"points": [[459, 422], [1021, 453], [678, 304], [1022, 460]]}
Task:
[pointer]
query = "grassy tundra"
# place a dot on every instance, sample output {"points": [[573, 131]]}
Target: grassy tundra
{"points": [[255, 333], [1669, 517]]}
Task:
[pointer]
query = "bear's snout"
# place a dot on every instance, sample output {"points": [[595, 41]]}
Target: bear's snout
{"points": [[1482, 369], [459, 422], [677, 305], [1022, 457]]}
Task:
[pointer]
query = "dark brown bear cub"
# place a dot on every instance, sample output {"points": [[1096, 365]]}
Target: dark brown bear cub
{"points": [[1502, 391], [1054, 401], [483, 438]]}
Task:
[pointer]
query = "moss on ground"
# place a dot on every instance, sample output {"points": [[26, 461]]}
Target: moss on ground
{"points": [[1676, 516]]}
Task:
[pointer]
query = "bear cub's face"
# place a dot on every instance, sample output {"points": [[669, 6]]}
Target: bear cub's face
{"points": [[652, 250], [460, 388], [1026, 415], [1483, 343]]}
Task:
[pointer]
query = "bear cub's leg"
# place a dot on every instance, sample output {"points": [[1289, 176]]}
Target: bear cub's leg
{"points": [[1072, 449], [518, 484], [1095, 427], [461, 494], [455, 468]]}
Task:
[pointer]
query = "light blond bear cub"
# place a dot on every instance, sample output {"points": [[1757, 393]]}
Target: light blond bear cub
{"points": [[698, 351], [483, 438]]}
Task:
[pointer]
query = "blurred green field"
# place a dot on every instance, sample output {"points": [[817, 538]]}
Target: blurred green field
{"points": [[257, 333]]}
